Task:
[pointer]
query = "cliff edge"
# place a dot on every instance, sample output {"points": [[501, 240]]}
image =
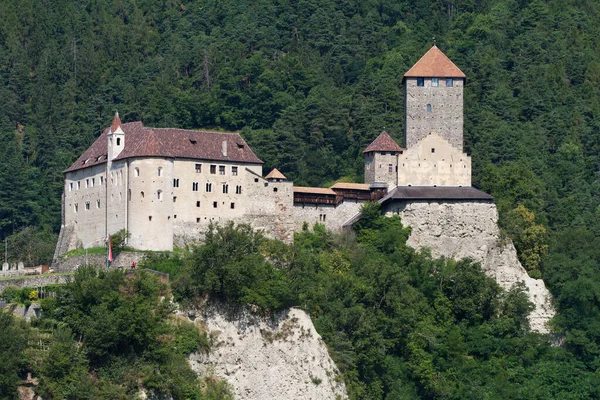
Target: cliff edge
{"points": [[470, 230], [267, 358]]}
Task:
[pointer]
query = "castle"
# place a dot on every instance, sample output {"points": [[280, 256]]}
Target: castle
{"points": [[166, 185]]}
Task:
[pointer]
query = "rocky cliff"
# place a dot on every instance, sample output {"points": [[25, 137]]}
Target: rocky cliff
{"points": [[267, 358], [470, 230]]}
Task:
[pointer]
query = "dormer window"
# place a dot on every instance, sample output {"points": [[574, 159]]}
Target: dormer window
{"points": [[434, 82], [420, 81], [118, 141]]}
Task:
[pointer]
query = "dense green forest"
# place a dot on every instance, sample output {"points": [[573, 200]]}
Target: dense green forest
{"points": [[309, 84]]}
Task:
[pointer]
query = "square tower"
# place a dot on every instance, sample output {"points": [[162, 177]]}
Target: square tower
{"points": [[433, 100], [381, 161]]}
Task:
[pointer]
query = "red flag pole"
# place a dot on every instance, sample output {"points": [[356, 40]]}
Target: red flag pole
{"points": [[110, 252]]}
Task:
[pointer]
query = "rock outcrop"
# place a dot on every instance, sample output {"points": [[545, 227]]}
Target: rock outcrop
{"points": [[267, 358], [470, 230]]}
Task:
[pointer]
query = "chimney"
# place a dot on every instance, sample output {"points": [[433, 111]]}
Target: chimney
{"points": [[224, 148]]}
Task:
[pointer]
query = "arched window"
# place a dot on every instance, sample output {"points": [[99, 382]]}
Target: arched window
{"points": [[137, 171], [428, 108], [159, 195], [118, 141], [159, 171]]}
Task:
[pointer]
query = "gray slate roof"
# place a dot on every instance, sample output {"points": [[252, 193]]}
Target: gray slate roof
{"points": [[436, 193]]}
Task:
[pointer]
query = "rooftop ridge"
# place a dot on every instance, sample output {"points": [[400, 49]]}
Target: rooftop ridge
{"points": [[434, 63]]}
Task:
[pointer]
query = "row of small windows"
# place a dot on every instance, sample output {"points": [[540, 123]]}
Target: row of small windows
{"points": [[215, 205], [198, 169], [89, 183], [196, 186], [87, 206], [435, 82]]}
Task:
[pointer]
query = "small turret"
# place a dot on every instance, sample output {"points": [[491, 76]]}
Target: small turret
{"points": [[275, 176], [381, 161], [116, 138]]}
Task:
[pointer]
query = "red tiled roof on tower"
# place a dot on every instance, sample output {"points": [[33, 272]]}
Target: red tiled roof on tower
{"points": [[434, 64], [383, 142], [116, 122]]}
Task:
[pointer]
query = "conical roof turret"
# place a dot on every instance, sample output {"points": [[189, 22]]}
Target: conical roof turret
{"points": [[383, 142], [275, 174], [116, 122]]}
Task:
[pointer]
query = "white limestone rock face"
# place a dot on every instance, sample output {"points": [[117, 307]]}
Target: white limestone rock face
{"points": [[470, 230], [263, 358]]}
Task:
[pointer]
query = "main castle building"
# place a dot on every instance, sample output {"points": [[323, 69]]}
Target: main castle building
{"points": [[165, 186]]}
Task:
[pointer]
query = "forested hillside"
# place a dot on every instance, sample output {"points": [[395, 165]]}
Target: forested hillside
{"points": [[310, 83]]}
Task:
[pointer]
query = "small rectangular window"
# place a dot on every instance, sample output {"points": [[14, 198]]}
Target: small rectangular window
{"points": [[87, 205], [225, 188], [221, 170], [174, 199], [198, 168], [198, 203], [234, 171], [420, 81], [93, 181], [449, 82], [70, 186], [76, 207], [176, 182], [87, 183], [194, 186], [434, 82], [97, 203], [101, 180], [78, 185], [209, 187], [214, 204], [390, 168], [238, 189], [432, 150], [232, 206], [213, 169], [197, 220]]}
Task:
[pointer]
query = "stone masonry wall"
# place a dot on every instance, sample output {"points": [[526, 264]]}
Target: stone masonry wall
{"points": [[470, 230], [35, 281], [333, 217], [445, 117], [122, 260]]}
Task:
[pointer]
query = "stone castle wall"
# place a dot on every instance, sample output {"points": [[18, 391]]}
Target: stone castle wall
{"points": [[446, 115], [382, 167], [434, 162], [469, 229], [85, 199]]}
